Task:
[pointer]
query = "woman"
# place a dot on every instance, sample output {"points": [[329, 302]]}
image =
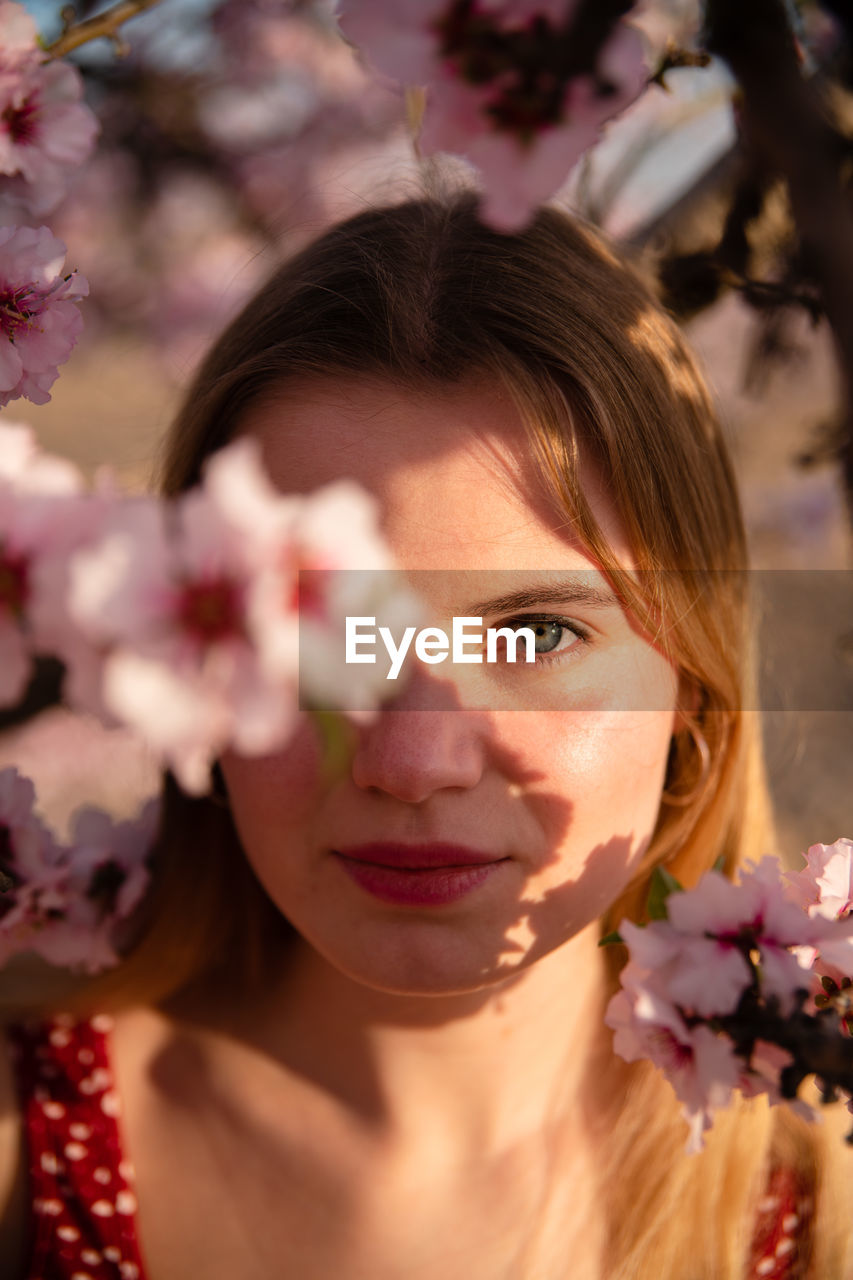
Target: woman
{"points": [[362, 1034]]}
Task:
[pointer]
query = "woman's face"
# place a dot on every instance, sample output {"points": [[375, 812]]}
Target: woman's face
{"points": [[551, 775]]}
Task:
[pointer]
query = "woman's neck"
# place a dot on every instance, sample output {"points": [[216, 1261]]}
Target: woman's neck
{"points": [[478, 1071]]}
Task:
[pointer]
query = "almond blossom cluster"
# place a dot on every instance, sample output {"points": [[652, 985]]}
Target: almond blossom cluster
{"points": [[46, 131], [825, 888], [39, 321], [510, 85], [43, 519], [68, 902], [727, 987], [184, 620]]}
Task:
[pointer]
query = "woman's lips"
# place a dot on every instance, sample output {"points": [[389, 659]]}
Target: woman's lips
{"points": [[417, 875]]}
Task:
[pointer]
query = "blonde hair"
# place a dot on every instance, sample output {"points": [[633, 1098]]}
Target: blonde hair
{"points": [[422, 294]]}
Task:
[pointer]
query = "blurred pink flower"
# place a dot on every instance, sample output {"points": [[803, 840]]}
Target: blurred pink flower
{"points": [[757, 912], [825, 885], [46, 131], [108, 858], [17, 800], [701, 975], [523, 133], [39, 323], [197, 610], [165, 594], [30, 857], [69, 901], [700, 1066], [336, 564], [18, 34], [42, 518]]}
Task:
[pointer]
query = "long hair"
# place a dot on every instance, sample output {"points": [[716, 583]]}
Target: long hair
{"points": [[422, 295]]}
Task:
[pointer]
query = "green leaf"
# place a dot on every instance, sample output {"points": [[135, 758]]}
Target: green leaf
{"points": [[663, 884], [610, 939], [720, 864]]}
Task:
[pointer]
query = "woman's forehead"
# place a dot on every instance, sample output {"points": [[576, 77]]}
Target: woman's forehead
{"points": [[452, 470]]}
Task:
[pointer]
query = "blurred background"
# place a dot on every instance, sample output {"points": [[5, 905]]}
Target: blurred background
{"points": [[235, 131]]}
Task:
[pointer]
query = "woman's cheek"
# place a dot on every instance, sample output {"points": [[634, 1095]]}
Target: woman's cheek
{"points": [[269, 794], [610, 768]]}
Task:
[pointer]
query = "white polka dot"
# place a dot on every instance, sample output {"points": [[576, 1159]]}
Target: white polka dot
{"points": [[81, 1275], [766, 1267], [53, 1110], [768, 1204], [86, 1056], [103, 1209], [59, 1038], [785, 1246], [110, 1104], [91, 1256], [50, 1207], [102, 1175], [790, 1222], [80, 1131], [51, 1163], [129, 1271], [99, 1079], [112, 1254], [75, 1150], [126, 1202], [68, 1233], [102, 1022], [127, 1171]]}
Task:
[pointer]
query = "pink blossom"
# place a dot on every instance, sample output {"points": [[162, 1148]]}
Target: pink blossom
{"points": [[18, 34], [69, 901], [701, 976], [17, 800], [686, 974], [700, 1066], [825, 885], [39, 321], [762, 1076], [166, 595], [30, 857], [197, 610], [336, 565], [45, 129], [755, 912], [825, 888], [524, 136], [42, 518]]}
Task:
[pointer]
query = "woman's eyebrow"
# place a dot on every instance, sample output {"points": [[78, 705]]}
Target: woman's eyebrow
{"points": [[570, 590]]}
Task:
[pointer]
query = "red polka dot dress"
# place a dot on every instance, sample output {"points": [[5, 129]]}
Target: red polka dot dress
{"points": [[82, 1204], [782, 1227]]}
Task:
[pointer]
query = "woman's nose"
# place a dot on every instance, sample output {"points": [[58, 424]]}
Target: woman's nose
{"points": [[423, 743]]}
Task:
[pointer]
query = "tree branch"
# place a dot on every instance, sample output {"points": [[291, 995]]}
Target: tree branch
{"points": [[103, 25], [784, 122]]}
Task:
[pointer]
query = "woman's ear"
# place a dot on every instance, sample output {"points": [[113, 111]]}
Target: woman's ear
{"points": [[688, 704]]}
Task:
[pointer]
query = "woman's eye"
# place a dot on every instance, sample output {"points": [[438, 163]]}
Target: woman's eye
{"points": [[551, 635]]}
